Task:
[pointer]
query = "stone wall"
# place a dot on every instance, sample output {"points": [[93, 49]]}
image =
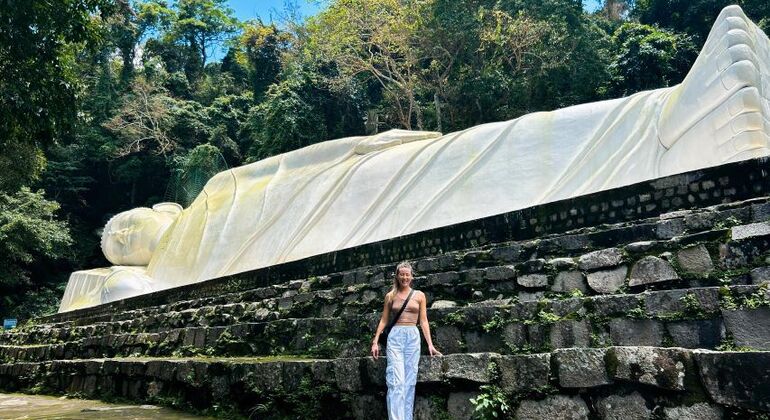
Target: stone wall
{"points": [[575, 383]]}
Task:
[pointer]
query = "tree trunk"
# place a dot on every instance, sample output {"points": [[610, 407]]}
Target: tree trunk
{"points": [[437, 104]]}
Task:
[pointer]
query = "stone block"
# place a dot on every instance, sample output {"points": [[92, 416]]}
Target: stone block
{"points": [[443, 304], [603, 258], [479, 341], [506, 253], [538, 336], [569, 281], [612, 305], [515, 335], [426, 409], [323, 371], [448, 278], [750, 231], [636, 332], [725, 375], [472, 367], [562, 263], [262, 377], [669, 228], [698, 411], [375, 370], [664, 302], [554, 407], [449, 339], [569, 307], [347, 373], [533, 280], [661, 367], [607, 281], [623, 407], [528, 296], [707, 333], [650, 270], [532, 266], [427, 265], [459, 405], [505, 272], [523, 372], [695, 259], [760, 275], [701, 221], [581, 367], [640, 247], [367, 407], [570, 334], [430, 369], [749, 327]]}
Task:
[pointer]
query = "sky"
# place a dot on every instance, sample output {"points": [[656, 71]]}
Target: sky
{"points": [[270, 10]]}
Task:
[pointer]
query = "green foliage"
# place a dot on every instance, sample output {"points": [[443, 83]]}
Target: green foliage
{"points": [[38, 46], [29, 234], [491, 403], [693, 17], [193, 170], [455, 318], [262, 47], [286, 120], [648, 58]]}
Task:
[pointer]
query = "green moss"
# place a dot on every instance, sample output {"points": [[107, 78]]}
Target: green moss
{"points": [[456, 318], [495, 324], [637, 313]]}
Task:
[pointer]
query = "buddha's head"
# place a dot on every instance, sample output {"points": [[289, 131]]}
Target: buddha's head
{"points": [[131, 237]]}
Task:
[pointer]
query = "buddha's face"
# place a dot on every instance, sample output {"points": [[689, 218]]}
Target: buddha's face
{"points": [[131, 237]]}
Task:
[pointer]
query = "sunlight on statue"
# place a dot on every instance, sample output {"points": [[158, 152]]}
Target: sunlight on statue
{"points": [[352, 191]]}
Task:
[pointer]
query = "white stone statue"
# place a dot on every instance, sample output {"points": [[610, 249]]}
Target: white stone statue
{"points": [[357, 190]]}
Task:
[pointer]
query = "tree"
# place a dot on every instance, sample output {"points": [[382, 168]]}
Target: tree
{"points": [[143, 121], [694, 17], [286, 120], [377, 39], [38, 43], [649, 58], [262, 47], [29, 234]]}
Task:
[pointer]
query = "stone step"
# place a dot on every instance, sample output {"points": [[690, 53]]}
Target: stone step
{"points": [[615, 382], [714, 317], [667, 233], [680, 262]]}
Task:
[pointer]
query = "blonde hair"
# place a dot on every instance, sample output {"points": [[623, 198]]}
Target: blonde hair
{"points": [[403, 264]]}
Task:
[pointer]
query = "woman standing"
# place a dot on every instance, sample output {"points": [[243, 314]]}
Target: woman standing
{"points": [[403, 346]]}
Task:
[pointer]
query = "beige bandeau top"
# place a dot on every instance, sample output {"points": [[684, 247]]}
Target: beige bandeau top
{"points": [[411, 312]]}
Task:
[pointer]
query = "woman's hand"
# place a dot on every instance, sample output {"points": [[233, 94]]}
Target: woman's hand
{"points": [[375, 350], [433, 352]]}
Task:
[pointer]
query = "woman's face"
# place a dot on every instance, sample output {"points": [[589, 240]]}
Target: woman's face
{"points": [[404, 278]]}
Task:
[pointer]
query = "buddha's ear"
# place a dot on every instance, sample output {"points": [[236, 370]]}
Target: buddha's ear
{"points": [[392, 138]]}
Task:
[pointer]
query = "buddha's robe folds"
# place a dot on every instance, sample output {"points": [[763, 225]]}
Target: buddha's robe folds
{"points": [[348, 192]]}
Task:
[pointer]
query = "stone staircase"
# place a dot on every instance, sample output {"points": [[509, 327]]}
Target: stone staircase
{"points": [[650, 301]]}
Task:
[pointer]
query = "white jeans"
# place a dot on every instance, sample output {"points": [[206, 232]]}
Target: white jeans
{"points": [[403, 351]]}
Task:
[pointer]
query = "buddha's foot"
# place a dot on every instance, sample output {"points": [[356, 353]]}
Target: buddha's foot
{"points": [[720, 111]]}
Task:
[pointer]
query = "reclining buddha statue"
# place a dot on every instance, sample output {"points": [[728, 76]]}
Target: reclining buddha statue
{"points": [[342, 193]]}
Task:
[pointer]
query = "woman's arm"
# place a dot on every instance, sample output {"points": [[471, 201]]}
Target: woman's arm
{"points": [[381, 326], [424, 324]]}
